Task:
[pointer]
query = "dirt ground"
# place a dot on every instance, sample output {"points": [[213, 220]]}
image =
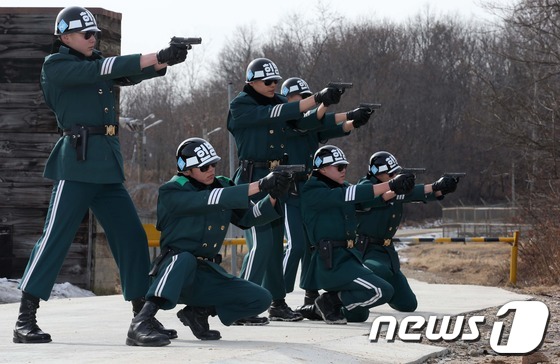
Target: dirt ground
{"points": [[481, 264]]}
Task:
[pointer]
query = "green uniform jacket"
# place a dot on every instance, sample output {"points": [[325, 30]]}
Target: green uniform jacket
{"points": [[261, 131], [80, 91], [302, 144], [194, 219], [329, 212], [381, 219]]}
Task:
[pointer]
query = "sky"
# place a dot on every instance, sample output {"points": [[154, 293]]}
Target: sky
{"points": [[147, 26]]}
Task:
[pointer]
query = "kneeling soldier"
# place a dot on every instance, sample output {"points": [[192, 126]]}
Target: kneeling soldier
{"points": [[328, 206], [378, 223], [193, 213]]}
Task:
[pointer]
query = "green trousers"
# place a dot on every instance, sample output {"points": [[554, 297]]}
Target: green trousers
{"points": [[384, 262], [115, 211], [183, 278], [296, 246], [263, 262]]}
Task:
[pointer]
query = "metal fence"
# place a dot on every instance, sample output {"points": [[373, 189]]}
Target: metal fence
{"points": [[481, 221]]}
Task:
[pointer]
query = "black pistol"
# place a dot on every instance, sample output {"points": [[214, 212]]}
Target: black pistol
{"points": [[185, 43]]}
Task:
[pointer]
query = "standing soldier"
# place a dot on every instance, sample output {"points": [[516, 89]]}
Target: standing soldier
{"points": [[86, 164], [328, 205], [258, 119], [300, 147], [379, 221], [194, 210]]}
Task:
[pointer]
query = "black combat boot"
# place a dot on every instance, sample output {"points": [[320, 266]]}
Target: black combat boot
{"points": [[197, 319], [26, 330], [137, 305], [309, 312], [142, 331], [280, 311], [310, 297], [330, 307], [252, 321], [308, 309]]}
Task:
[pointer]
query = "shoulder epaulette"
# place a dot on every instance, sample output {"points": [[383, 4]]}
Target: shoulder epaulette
{"points": [[182, 180], [225, 179]]}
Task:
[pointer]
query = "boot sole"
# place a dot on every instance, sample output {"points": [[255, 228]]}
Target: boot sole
{"points": [[209, 339], [21, 341], [251, 324], [185, 321], [285, 319], [131, 342], [313, 318]]}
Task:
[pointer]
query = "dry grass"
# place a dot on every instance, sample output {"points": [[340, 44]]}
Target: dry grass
{"points": [[458, 263]]}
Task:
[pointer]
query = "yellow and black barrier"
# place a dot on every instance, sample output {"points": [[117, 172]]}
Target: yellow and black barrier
{"points": [[154, 236], [513, 241]]}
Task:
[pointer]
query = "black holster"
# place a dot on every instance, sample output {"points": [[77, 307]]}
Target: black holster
{"points": [[325, 252], [159, 260], [79, 139], [246, 171], [215, 259]]}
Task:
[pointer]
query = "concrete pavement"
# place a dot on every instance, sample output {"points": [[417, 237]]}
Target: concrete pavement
{"points": [[93, 330]]}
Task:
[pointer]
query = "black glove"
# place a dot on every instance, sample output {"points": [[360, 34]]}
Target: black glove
{"points": [[328, 96], [172, 55], [445, 184], [275, 183], [282, 185], [402, 183], [360, 116]]}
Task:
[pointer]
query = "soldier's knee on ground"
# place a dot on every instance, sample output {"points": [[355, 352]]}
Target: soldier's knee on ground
{"points": [[405, 306], [358, 314]]}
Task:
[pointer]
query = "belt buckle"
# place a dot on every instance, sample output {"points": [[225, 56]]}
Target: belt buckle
{"points": [[350, 243], [110, 130], [386, 242], [273, 164]]}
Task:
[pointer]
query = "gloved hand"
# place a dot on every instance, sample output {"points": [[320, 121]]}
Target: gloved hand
{"points": [[402, 183], [328, 96], [360, 116], [282, 185], [172, 55], [275, 183], [446, 184]]}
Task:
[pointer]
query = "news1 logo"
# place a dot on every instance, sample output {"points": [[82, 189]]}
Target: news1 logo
{"points": [[527, 331]]}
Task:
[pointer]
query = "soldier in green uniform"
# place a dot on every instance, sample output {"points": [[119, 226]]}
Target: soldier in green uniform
{"points": [[260, 121], [300, 146], [86, 163], [328, 205], [379, 221], [194, 211]]}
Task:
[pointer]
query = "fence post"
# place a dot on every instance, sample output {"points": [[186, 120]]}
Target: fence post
{"points": [[234, 259], [513, 263]]}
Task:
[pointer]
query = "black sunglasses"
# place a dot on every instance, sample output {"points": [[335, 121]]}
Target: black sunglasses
{"points": [[206, 167], [341, 167], [270, 82], [90, 33]]}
